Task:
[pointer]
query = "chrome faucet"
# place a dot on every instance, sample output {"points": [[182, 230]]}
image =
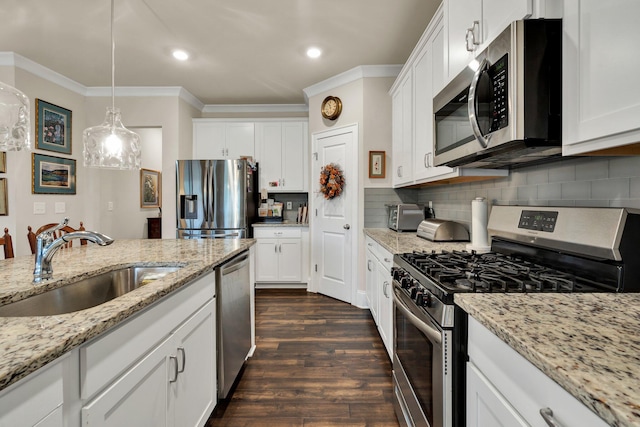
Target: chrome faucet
{"points": [[47, 246]]}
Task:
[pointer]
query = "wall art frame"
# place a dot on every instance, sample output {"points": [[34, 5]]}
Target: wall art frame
{"points": [[377, 164], [52, 175], [3, 162], [4, 199], [150, 189], [53, 127]]}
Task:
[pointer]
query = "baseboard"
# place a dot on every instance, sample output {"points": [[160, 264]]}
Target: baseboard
{"points": [[281, 285], [361, 300]]}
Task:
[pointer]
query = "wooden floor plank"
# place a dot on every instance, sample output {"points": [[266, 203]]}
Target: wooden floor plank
{"points": [[318, 362]]}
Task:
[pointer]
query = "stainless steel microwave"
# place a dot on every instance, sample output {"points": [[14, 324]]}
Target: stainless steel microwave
{"points": [[504, 109]]}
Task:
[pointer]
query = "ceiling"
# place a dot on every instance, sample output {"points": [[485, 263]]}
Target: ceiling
{"points": [[242, 51]]}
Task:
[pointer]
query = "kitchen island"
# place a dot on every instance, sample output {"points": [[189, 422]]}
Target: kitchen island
{"points": [[28, 343], [587, 343]]}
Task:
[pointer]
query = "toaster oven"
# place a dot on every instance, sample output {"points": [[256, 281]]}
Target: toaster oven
{"points": [[405, 217]]}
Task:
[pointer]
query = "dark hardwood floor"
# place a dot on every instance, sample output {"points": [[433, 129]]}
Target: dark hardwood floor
{"points": [[318, 362]]}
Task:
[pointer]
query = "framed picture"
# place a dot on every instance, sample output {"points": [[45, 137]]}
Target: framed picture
{"points": [[376, 164], [150, 192], [3, 197], [53, 127], [53, 175], [3, 162]]}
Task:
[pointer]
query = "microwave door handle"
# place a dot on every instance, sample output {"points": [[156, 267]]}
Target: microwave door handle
{"points": [[473, 118]]}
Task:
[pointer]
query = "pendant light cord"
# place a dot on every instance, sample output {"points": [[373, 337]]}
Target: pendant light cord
{"points": [[113, 63]]}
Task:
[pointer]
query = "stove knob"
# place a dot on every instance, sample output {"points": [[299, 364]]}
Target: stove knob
{"points": [[419, 299], [414, 292], [406, 282], [397, 273], [427, 301]]}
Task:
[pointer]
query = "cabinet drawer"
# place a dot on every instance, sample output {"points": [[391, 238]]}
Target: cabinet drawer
{"points": [[105, 358], [277, 232], [385, 257]]}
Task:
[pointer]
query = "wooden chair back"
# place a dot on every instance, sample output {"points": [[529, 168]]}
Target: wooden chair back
{"points": [[31, 236], [7, 243]]}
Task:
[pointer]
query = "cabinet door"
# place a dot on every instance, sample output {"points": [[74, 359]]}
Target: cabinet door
{"points": [[486, 406], [240, 139], [270, 140], [193, 394], [371, 283], [54, 419], [402, 105], [498, 15], [290, 260], [267, 260], [385, 304], [137, 398], [462, 15], [209, 140], [294, 140], [601, 104]]}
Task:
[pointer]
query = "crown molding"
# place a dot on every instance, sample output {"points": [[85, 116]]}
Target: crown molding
{"points": [[255, 108], [357, 73], [19, 61]]}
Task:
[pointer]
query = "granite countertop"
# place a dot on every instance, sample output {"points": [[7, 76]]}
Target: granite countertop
{"points": [[284, 223], [587, 343], [28, 343], [398, 243]]}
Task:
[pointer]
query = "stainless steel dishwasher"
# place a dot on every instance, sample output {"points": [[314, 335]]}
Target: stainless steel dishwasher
{"points": [[233, 295]]}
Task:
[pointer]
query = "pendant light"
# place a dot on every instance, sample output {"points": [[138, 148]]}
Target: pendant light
{"points": [[111, 145], [14, 119]]}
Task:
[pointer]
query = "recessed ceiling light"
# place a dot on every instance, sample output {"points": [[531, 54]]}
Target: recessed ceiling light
{"points": [[314, 52], [180, 55]]}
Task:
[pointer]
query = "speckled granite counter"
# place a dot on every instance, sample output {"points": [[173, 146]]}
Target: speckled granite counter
{"points": [[27, 343], [397, 243], [587, 343], [280, 224]]}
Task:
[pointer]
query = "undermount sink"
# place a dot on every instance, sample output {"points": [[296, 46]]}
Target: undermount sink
{"points": [[86, 293]]}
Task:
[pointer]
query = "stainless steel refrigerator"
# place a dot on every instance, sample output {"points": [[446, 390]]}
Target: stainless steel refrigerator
{"points": [[216, 198]]}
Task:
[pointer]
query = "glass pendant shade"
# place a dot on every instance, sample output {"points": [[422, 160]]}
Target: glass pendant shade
{"points": [[14, 119], [111, 145]]}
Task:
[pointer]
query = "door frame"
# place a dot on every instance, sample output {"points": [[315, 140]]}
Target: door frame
{"points": [[354, 182]]}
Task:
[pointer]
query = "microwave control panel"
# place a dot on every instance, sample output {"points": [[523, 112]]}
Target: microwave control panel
{"points": [[498, 73]]}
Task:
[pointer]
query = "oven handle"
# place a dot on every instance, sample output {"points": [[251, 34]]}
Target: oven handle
{"points": [[431, 333], [471, 105]]}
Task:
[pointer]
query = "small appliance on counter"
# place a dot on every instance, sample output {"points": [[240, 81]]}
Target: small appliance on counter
{"points": [[442, 230], [405, 217]]}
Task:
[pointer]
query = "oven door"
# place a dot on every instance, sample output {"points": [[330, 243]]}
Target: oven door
{"points": [[421, 366]]}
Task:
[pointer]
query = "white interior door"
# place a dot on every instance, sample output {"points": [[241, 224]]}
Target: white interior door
{"points": [[333, 223]]}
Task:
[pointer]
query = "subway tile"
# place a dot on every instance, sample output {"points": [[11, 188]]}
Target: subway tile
{"points": [[590, 169], [576, 190], [624, 167], [592, 203], [625, 203], [538, 176], [634, 190], [509, 193], [517, 178], [494, 194], [568, 203], [562, 172], [549, 191], [528, 192], [610, 189]]}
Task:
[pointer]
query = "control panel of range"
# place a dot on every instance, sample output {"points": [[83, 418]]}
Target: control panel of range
{"points": [[538, 220]]}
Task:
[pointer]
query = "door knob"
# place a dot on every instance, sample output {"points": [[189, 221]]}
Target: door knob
{"points": [[346, 226]]}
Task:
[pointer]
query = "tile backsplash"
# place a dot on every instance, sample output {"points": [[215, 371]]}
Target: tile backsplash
{"points": [[583, 181]]}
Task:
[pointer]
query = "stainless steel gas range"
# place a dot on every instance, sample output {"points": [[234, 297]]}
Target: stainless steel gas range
{"points": [[533, 250]]}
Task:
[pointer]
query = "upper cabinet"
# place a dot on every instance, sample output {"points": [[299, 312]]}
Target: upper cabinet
{"points": [[601, 105], [472, 24], [215, 139], [281, 149]]}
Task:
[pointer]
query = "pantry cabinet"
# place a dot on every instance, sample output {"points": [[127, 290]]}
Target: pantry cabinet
{"points": [[280, 254], [379, 290], [601, 104], [215, 139], [497, 396], [281, 149]]}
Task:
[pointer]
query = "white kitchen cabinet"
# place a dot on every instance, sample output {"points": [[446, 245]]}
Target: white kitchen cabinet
{"points": [[215, 139], [281, 150], [402, 131], [35, 400], [472, 24], [379, 289], [601, 104], [279, 254], [505, 389], [173, 385]]}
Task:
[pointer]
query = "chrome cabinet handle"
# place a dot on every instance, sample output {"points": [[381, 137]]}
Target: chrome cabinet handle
{"points": [[184, 359], [471, 35], [280, 248], [370, 244], [283, 182], [175, 364], [275, 248], [547, 416], [471, 105], [398, 172], [387, 260], [384, 289], [369, 265]]}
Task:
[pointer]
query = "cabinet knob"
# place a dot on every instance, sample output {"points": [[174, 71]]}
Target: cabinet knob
{"points": [[346, 226]]}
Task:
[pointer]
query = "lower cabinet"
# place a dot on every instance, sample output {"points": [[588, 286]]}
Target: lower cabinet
{"points": [[379, 288], [173, 385], [505, 389], [281, 255]]}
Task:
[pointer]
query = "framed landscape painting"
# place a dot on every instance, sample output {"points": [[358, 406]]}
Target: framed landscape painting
{"points": [[53, 127], [3, 197], [53, 175], [150, 192]]}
